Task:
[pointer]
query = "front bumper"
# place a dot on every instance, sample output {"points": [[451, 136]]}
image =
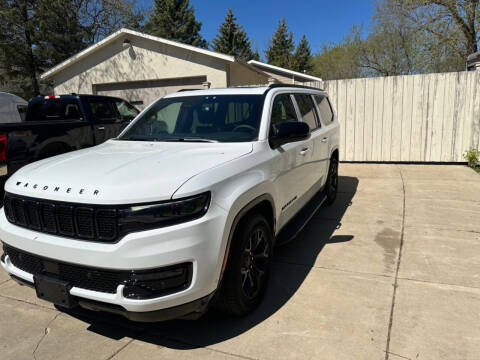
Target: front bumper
{"points": [[199, 242]]}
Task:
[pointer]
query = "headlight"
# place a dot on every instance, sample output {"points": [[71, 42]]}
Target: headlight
{"points": [[149, 216]]}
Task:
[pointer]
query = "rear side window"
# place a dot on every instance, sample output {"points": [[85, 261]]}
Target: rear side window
{"points": [[307, 110], [282, 110], [324, 107], [41, 109], [22, 110], [102, 110]]}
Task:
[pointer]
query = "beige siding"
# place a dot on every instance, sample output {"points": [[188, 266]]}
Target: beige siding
{"points": [[279, 77], [241, 74], [427, 118], [145, 60]]}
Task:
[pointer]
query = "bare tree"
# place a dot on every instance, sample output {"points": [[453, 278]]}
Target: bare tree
{"points": [[99, 18], [443, 18]]}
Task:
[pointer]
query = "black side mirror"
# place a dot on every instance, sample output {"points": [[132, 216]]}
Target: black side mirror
{"points": [[288, 131]]}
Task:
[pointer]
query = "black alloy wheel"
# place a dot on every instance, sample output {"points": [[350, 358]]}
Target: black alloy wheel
{"points": [[248, 267], [256, 255]]}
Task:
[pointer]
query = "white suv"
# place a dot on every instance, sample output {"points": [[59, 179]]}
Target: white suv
{"points": [[182, 210]]}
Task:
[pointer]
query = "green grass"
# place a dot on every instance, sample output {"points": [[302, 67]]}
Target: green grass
{"points": [[477, 169]]}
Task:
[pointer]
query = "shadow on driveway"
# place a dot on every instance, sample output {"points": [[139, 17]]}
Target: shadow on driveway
{"points": [[291, 266]]}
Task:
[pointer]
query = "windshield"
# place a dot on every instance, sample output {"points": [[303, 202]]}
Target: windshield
{"points": [[223, 118]]}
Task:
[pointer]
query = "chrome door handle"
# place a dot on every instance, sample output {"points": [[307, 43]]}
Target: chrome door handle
{"points": [[304, 151], [325, 139], [101, 128]]}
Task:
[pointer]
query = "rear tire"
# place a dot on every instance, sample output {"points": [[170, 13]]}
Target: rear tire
{"points": [[331, 185], [248, 267]]}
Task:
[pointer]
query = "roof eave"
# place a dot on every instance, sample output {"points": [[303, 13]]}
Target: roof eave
{"points": [[283, 70], [77, 57]]}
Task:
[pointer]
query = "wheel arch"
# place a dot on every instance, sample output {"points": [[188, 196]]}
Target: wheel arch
{"points": [[263, 204]]}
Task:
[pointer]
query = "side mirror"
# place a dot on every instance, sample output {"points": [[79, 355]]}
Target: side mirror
{"points": [[288, 131]]}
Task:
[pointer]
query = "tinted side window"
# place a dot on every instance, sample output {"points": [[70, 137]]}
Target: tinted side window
{"points": [[282, 110], [307, 110], [102, 110], [324, 107], [41, 109]]}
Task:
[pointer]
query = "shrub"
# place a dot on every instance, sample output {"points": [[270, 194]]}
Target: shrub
{"points": [[472, 157]]}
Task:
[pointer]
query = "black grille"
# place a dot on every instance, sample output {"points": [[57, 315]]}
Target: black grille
{"points": [[78, 276], [96, 223], [139, 284]]}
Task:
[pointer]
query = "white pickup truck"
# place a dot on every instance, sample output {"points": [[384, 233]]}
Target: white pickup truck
{"points": [[181, 210]]}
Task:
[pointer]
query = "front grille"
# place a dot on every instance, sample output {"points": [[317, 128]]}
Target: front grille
{"points": [[78, 276], [96, 223], [139, 284]]}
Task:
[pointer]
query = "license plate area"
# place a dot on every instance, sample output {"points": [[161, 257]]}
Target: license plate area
{"points": [[54, 290]]}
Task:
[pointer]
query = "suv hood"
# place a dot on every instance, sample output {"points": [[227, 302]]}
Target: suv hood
{"points": [[121, 172]]}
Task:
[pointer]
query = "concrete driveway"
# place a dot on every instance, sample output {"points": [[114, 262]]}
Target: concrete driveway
{"points": [[390, 271]]}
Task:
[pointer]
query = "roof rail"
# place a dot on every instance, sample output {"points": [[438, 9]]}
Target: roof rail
{"points": [[183, 90], [277, 85]]}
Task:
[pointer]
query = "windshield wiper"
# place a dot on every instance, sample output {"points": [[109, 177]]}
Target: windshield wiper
{"points": [[188, 139], [135, 138]]}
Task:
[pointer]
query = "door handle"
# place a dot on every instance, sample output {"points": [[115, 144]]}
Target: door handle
{"points": [[324, 139], [100, 127], [304, 151]]}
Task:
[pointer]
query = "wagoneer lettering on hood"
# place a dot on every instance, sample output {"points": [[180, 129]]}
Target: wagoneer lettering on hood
{"points": [[122, 171]]}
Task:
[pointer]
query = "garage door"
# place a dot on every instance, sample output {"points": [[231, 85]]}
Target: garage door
{"points": [[142, 93]]}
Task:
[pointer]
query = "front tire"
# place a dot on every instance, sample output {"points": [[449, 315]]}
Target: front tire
{"points": [[248, 267]]}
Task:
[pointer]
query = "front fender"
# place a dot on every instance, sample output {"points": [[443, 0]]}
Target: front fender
{"points": [[236, 195]]}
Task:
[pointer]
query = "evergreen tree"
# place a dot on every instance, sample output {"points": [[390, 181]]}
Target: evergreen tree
{"points": [[281, 46], [232, 39], [18, 31], [175, 20], [38, 34], [255, 55], [302, 58], [60, 34]]}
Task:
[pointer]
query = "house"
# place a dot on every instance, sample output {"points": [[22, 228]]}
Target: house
{"points": [[141, 68]]}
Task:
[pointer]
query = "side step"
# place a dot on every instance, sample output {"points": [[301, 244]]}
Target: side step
{"points": [[298, 222]]}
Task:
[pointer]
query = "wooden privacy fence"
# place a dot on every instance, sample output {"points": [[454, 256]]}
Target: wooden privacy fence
{"points": [[426, 118]]}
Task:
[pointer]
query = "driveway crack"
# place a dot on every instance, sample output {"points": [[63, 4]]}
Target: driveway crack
{"points": [[400, 356], [25, 302], [120, 349], [46, 331], [399, 259]]}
